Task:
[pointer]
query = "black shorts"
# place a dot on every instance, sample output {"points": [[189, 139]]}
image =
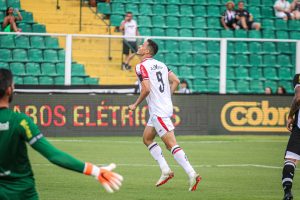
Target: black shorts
{"points": [[249, 24], [127, 45], [293, 146], [230, 23]]}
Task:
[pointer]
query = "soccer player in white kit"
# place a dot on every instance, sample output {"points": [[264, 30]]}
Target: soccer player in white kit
{"points": [[154, 77]]}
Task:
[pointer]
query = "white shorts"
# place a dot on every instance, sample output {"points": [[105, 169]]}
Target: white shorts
{"points": [[162, 125], [292, 155], [282, 14]]}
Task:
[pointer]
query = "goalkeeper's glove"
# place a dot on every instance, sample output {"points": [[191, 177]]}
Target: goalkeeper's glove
{"points": [[111, 181]]}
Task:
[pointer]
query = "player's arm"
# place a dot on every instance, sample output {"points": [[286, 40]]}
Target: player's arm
{"points": [[174, 81], [294, 107], [143, 94], [122, 26], [111, 181]]}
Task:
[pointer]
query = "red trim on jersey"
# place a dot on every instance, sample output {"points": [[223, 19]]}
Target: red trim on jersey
{"points": [[176, 151], [162, 123], [144, 72]]}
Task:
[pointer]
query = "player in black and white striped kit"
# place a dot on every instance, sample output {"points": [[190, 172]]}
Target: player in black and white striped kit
{"points": [[292, 154]]}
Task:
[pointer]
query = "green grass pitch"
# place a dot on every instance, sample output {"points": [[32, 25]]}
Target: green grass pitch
{"points": [[232, 167]]}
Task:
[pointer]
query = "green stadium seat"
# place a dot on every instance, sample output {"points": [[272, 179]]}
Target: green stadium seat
{"points": [[294, 25], [77, 80], [173, 1], [145, 9], [144, 21], [35, 55], [213, 85], [50, 55], [213, 72], [256, 60], [185, 32], [22, 42], [189, 2], [282, 35], [7, 41], [270, 60], [77, 70], [213, 23], [38, 28], [186, 22], [186, 72], [18, 69], [270, 73], [159, 9], [255, 47], [115, 20], [174, 69], [254, 34], [285, 73], [287, 85], [131, 7], [61, 55], [158, 32], [241, 47], [33, 69], [213, 33], [199, 10], [199, 33], [158, 1], [242, 73], [200, 59], [46, 80], [145, 31], [201, 2], [295, 35], [213, 46], [213, 59], [186, 46], [3, 5], [172, 32], [172, 10], [172, 58], [281, 24], [199, 46], [14, 3], [226, 34], [242, 60], [199, 22], [60, 80], [30, 80], [37, 42], [230, 73], [159, 56], [255, 11], [271, 84], [268, 34], [158, 21], [214, 11], [27, 17], [255, 2], [230, 86], [51, 42], [230, 47], [199, 72], [200, 85], [91, 81], [256, 86], [48, 69], [284, 60], [103, 8], [5, 55], [186, 59], [268, 24], [172, 21], [18, 80], [172, 45], [269, 47], [2, 15], [186, 10], [242, 86], [118, 8], [25, 27], [283, 47], [231, 60], [4, 65], [241, 34], [160, 44], [19, 55], [267, 11]]}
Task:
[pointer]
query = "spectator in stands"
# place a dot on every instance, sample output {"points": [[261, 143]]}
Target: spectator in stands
{"points": [[184, 87], [281, 90], [245, 19], [283, 9], [228, 19], [295, 8], [9, 21], [129, 28], [268, 90]]}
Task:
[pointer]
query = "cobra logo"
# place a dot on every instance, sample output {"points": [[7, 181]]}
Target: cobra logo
{"points": [[244, 116]]}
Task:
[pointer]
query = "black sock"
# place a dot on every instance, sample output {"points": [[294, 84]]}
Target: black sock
{"points": [[288, 175]]}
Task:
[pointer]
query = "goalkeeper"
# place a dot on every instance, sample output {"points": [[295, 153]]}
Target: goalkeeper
{"points": [[16, 176]]}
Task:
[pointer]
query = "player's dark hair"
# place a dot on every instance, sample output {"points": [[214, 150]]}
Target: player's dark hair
{"points": [[128, 13], [6, 80], [7, 9], [153, 47]]}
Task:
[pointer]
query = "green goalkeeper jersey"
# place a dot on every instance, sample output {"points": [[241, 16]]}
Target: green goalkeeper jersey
{"points": [[15, 130]]}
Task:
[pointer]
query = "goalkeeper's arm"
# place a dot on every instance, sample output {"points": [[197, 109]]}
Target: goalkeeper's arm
{"points": [[110, 180]]}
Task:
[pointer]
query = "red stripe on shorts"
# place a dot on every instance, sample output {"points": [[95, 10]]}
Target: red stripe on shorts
{"points": [[162, 123]]}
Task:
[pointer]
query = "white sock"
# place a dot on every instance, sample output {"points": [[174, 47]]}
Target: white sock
{"points": [[156, 153], [182, 160]]}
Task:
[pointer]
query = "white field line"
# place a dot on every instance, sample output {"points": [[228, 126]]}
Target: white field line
{"points": [[180, 142], [196, 166]]}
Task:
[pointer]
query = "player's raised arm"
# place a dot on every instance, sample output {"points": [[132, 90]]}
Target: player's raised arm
{"points": [[174, 81], [111, 181]]}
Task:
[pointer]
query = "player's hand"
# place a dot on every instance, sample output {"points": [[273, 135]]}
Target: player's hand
{"points": [[132, 107], [111, 181], [289, 124]]}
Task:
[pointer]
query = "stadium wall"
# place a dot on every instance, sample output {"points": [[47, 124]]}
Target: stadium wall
{"points": [[108, 114]]}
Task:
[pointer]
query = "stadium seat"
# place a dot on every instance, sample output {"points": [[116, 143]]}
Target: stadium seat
{"points": [[5, 55], [186, 22], [145, 9], [18, 80], [200, 85], [131, 7], [77, 70], [20, 55], [200, 59], [230, 74], [35, 55], [103, 8], [46, 80], [172, 10], [172, 22], [270, 60], [159, 9], [199, 72], [25, 27], [254, 34], [285, 73], [172, 58], [144, 21], [200, 46], [18, 69], [268, 33], [91, 81], [27, 17], [199, 10], [77, 81], [51, 42], [213, 46], [37, 42], [33, 69], [230, 86], [48, 69], [242, 73], [30, 80], [241, 47], [269, 47], [22, 42], [186, 59], [7, 41], [294, 25], [213, 59], [199, 33], [284, 60], [281, 24], [4, 65], [115, 20], [186, 10], [241, 34], [214, 11], [60, 80], [38, 28], [227, 34], [213, 85], [256, 60], [213, 72], [242, 60], [185, 32], [242, 86], [3, 5], [213, 23], [14, 3], [231, 60], [213, 33], [172, 45], [61, 55], [255, 47], [283, 47], [270, 73], [158, 21], [256, 86], [118, 8], [282, 34], [271, 84], [50, 55], [186, 46], [185, 72], [145, 31], [158, 32], [172, 32]]}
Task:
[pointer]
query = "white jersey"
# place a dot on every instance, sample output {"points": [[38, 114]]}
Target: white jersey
{"points": [[130, 29], [159, 100]]}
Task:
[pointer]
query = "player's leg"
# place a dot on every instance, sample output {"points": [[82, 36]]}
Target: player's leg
{"points": [[125, 53], [132, 52], [164, 127], [156, 152]]}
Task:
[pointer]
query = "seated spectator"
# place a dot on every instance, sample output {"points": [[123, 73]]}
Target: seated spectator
{"points": [[245, 19], [295, 8], [283, 9], [281, 90], [228, 19], [184, 87], [268, 90], [9, 21]]}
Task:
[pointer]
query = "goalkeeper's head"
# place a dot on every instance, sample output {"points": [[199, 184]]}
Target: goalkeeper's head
{"points": [[6, 86]]}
